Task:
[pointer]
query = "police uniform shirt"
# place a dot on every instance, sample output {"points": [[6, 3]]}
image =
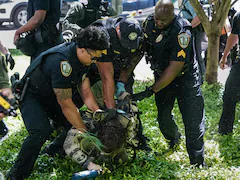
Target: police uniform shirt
{"points": [[170, 44], [236, 25], [64, 73], [57, 67], [116, 53], [53, 8]]}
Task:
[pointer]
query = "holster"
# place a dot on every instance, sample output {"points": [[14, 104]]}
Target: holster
{"points": [[47, 33]]}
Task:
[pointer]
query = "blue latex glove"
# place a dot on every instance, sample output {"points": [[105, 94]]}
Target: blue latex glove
{"points": [[120, 88]]}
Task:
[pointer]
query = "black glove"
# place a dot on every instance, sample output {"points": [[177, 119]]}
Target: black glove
{"points": [[144, 94], [10, 60], [111, 114]]}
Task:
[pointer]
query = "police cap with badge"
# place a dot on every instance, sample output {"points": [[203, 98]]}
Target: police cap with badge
{"points": [[131, 33]]}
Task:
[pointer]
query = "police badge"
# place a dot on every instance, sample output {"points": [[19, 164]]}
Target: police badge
{"points": [[159, 38]]}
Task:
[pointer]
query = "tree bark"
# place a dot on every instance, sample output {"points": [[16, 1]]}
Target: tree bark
{"points": [[212, 58]]}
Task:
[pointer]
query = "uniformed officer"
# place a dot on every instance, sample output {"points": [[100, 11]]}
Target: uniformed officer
{"points": [[170, 51], [232, 88], [118, 61], [43, 17], [81, 15], [125, 49], [50, 81], [5, 89]]}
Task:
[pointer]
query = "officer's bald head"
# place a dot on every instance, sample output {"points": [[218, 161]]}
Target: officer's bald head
{"points": [[164, 13]]}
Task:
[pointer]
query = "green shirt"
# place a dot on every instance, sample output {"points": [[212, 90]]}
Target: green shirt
{"points": [[4, 79]]}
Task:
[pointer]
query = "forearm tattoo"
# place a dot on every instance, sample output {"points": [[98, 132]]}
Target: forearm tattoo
{"points": [[63, 94]]}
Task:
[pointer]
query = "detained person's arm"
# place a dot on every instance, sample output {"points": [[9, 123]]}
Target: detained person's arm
{"points": [[73, 150], [70, 111]]}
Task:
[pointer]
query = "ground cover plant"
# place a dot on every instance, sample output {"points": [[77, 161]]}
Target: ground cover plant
{"points": [[221, 152]]}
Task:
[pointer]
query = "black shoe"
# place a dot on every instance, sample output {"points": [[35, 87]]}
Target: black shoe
{"points": [[3, 129], [52, 150], [224, 132]]}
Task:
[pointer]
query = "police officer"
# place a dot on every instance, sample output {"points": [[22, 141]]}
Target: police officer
{"points": [[50, 81], [81, 15], [231, 94], [125, 49], [170, 51], [43, 17], [4, 82]]}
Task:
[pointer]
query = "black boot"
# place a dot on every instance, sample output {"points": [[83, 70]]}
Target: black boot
{"points": [[3, 129]]}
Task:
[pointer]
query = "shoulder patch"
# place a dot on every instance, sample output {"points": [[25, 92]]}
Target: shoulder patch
{"points": [[132, 36], [183, 40], [66, 68]]}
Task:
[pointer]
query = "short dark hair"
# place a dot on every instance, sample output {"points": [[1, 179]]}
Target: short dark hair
{"points": [[92, 37], [112, 135]]}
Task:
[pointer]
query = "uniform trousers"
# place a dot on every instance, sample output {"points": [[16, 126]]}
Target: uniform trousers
{"points": [[186, 90], [35, 113], [230, 98]]}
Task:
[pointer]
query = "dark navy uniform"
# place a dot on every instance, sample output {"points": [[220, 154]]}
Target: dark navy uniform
{"points": [[47, 35], [232, 88], [121, 56], [174, 43], [57, 67]]}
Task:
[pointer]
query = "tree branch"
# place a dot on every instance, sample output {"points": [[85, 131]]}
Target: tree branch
{"points": [[201, 14]]}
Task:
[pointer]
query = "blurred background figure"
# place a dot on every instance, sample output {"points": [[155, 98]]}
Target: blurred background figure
{"points": [[5, 89], [81, 15]]}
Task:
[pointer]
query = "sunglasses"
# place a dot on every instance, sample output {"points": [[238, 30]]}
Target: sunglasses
{"points": [[93, 58]]}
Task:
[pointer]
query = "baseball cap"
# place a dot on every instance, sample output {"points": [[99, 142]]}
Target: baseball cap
{"points": [[130, 33]]}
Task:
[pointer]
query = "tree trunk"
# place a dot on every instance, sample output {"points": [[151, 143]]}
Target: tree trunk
{"points": [[212, 58]]}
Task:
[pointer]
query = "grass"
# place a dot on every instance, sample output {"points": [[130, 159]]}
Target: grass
{"points": [[221, 152]]}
